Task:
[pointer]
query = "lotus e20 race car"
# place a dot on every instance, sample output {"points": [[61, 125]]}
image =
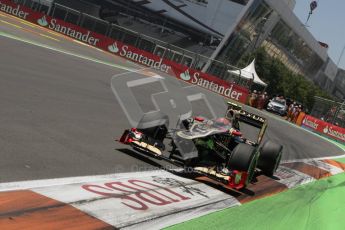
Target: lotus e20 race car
{"points": [[214, 148]]}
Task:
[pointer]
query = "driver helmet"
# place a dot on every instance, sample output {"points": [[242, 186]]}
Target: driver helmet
{"points": [[222, 121]]}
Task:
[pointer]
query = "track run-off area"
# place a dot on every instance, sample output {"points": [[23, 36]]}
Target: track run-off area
{"points": [[60, 167]]}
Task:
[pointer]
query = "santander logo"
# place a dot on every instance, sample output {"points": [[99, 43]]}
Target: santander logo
{"points": [[13, 10], [43, 21], [185, 75], [113, 48], [311, 124], [69, 30], [334, 133], [325, 130]]}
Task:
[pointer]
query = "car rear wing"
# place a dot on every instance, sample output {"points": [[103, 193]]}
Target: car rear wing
{"points": [[248, 118]]}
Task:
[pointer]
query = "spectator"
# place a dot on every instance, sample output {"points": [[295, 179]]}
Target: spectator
{"points": [[288, 116], [291, 111], [266, 98], [330, 114], [252, 99], [256, 100], [296, 114], [262, 100]]}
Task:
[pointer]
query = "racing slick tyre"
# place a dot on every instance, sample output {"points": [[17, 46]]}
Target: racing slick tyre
{"points": [[270, 156], [244, 158]]}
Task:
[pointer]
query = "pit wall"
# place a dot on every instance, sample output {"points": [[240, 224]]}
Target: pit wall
{"points": [[184, 73]]}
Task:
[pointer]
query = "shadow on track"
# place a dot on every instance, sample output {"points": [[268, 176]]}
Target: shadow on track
{"points": [[186, 174]]}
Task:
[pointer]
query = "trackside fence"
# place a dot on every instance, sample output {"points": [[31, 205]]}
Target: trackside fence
{"points": [[329, 111], [141, 41]]}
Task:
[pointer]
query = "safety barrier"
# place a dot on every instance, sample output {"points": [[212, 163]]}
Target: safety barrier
{"points": [[116, 47], [323, 128]]}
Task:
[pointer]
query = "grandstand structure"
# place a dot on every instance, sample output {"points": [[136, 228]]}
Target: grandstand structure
{"points": [[208, 35]]}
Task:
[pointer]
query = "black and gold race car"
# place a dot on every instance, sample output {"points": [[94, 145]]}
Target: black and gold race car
{"points": [[214, 148]]}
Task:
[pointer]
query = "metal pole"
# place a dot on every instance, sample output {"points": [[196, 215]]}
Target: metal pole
{"points": [[341, 55], [337, 112]]}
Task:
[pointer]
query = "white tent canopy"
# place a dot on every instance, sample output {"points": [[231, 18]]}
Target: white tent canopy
{"points": [[249, 73]]}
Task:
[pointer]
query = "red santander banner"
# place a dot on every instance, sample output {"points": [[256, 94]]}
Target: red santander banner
{"points": [[324, 128], [212, 83]]}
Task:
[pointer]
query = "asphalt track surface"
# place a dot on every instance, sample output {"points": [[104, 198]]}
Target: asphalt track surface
{"points": [[59, 117]]}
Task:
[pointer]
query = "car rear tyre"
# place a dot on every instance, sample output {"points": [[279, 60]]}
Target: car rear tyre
{"points": [[270, 157], [244, 158]]}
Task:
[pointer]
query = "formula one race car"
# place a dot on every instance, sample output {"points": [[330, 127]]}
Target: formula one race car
{"points": [[214, 148]]}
